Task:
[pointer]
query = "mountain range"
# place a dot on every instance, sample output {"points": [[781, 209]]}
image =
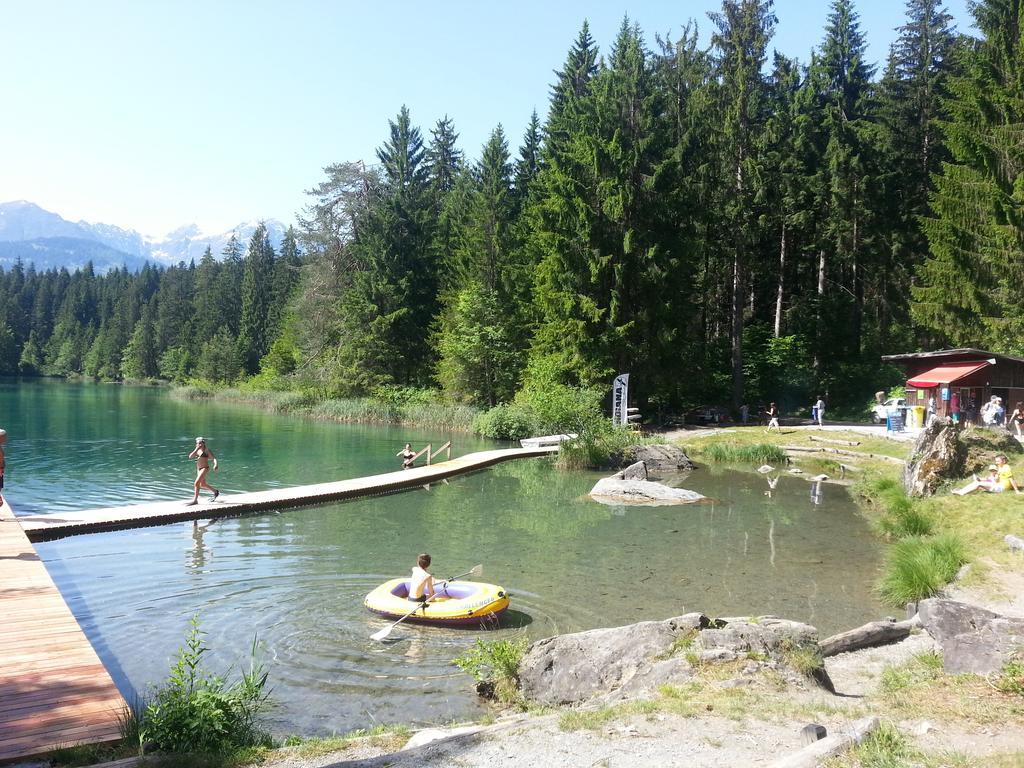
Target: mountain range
{"points": [[48, 240]]}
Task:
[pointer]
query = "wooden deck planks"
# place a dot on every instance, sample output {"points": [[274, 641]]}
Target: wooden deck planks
{"points": [[54, 690], [52, 526]]}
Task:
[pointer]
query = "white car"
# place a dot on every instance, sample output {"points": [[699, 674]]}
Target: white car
{"points": [[882, 410]]}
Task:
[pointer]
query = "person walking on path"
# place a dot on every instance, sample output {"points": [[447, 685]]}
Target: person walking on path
{"points": [[819, 409], [773, 418], [3, 462], [202, 456], [408, 456]]}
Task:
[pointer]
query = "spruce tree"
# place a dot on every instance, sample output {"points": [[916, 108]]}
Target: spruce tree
{"points": [[971, 292], [254, 334], [743, 30]]}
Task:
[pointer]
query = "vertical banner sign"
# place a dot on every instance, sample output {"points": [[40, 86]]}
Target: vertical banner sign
{"points": [[620, 398]]}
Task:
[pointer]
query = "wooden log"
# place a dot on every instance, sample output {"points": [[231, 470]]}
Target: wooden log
{"points": [[813, 755], [834, 442], [841, 452], [868, 636]]}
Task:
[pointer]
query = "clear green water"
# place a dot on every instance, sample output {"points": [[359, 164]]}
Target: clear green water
{"points": [[297, 579]]}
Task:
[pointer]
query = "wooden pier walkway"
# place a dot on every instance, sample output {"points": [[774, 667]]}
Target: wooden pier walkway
{"points": [[57, 525], [54, 690]]}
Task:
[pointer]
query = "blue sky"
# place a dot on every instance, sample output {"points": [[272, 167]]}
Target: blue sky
{"points": [[151, 114]]}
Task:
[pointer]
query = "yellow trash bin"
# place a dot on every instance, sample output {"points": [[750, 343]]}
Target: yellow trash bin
{"points": [[916, 416]]}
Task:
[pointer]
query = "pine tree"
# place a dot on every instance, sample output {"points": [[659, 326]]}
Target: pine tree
{"points": [[910, 149], [254, 334], [744, 28], [480, 342], [971, 291]]}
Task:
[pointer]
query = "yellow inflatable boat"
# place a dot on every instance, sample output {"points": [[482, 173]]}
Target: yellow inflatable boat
{"points": [[456, 603]]}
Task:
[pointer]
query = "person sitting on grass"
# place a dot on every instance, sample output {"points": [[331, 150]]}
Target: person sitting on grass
{"points": [[1000, 478]]}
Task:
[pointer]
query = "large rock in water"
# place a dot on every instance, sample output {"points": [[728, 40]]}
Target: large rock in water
{"points": [[973, 639], [626, 488], [635, 660], [658, 459], [938, 455]]}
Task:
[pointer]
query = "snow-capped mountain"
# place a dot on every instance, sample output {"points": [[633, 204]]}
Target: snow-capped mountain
{"points": [[187, 243], [47, 240]]}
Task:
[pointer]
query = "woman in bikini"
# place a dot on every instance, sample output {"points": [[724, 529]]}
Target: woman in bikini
{"points": [[203, 456]]}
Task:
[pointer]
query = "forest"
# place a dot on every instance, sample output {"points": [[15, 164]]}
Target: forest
{"points": [[722, 222]]}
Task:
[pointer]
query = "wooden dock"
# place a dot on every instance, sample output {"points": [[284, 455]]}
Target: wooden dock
{"points": [[54, 526], [54, 690]]}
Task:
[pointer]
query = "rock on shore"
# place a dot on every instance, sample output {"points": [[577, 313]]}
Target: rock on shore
{"points": [[634, 660]]}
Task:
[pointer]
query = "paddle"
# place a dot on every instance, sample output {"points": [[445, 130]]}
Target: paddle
{"points": [[476, 570]]}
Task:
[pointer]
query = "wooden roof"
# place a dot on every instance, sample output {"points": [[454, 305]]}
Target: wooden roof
{"points": [[959, 352]]}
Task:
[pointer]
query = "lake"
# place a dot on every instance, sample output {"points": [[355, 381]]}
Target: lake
{"points": [[296, 580]]}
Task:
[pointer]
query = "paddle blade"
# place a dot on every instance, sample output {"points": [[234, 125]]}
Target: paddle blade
{"points": [[478, 569], [383, 633]]}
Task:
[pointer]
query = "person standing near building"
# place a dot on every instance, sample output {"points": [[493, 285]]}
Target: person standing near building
{"points": [[930, 417], [954, 407], [819, 408]]}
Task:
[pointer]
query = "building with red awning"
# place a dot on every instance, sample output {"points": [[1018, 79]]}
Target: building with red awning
{"points": [[971, 375]]}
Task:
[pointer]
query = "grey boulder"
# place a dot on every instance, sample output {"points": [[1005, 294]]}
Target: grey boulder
{"points": [[973, 639]]}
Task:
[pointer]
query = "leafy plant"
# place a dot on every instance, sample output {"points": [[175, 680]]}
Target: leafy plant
{"points": [[196, 712], [495, 664]]}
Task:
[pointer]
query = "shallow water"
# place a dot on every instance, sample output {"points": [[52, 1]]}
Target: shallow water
{"points": [[296, 580]]}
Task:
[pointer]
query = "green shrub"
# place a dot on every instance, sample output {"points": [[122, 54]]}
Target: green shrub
{"points": [[192, 392], [508, 421], [597, 448], [495, 663], [739, 453], [559, 407], [198, 713], [918, 567]]}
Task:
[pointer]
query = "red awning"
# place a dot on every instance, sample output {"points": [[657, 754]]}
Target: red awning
{"points": [[945, 374]]}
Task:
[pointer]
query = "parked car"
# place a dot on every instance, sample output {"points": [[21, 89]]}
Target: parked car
{"points": [[706, 414], [882, 410]]}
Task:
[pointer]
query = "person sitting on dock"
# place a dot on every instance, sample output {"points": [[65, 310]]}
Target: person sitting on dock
{"points": [[421, 583], [408, 456], [1000, 478], [202, 456]]}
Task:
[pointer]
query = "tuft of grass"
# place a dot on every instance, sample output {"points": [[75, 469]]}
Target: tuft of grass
{"points": [[918, 567], [587, 719], [807, 659], [1011, 677], [887, 747], [740, 453]]}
